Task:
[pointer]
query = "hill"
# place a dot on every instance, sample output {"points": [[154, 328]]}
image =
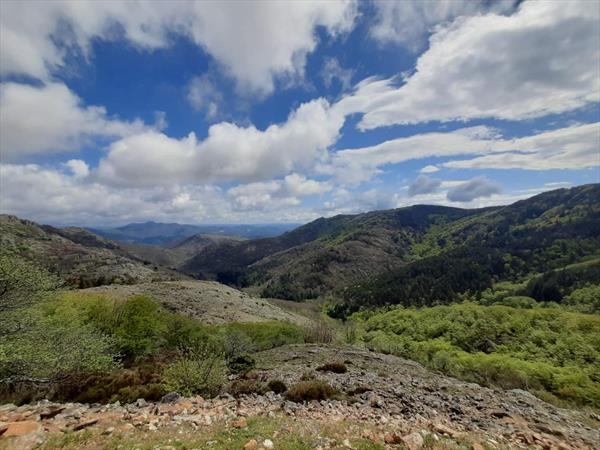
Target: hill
{"points": [[78, 257], [545, 233], [167, 234], [328, 255]]}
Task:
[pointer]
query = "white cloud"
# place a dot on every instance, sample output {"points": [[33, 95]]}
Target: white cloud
{"points": [[204, 96], [51, 196], [78, 168], [51, 118], [229, 152], [407, 22], [423, 185], [253, 41], [274, 194], [474, 188], [541, 60], [429, 169], [332, 70], [575, 147]]}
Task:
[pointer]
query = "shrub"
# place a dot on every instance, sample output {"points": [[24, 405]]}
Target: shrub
{"points": [[311, 390], [335, 367], [277, 386], [263, 335], [247, 387], [318, 333], [241, 364], [191, 375]]}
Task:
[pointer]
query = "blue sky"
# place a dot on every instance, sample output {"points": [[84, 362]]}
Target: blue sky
{"points": [[253, 112]]}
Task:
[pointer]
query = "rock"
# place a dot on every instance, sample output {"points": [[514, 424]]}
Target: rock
{"points": [[251, 444], [443, 429], [375, 401], [268, 444], [84, 424], [51, 412], [22, 428], [392, 438], [140, 402], [499, 413], [477, 446], [413, 441], [240, 423], [171, 397]]}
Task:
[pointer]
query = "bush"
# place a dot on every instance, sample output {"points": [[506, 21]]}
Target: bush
{"points": [[191, 375], [241, 364], [318, 333], [262, 336], [335, 367], [247, 387], [311, 390], [277, 386]]}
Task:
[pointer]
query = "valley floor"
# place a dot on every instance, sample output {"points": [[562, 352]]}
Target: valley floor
{"points": [[388, 402]]}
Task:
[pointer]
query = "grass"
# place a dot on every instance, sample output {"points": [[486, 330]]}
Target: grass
{"points": [[286, 434]]}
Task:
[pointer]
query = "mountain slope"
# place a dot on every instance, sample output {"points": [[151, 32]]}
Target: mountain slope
{"points": [[78, 257], [544, 233], [325, 254]]}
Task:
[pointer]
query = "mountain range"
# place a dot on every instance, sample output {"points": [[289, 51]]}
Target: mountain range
{"points": [[413, 255], [155, 233]]}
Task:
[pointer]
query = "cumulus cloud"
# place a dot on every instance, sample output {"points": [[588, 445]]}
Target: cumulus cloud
{"points": [[475, 188], [78, 168], [423, 185], [36, 37], [276, 193], [541, 60], [52, 196], [51, 118], [408, 22], [229, 152], [575, 147]]}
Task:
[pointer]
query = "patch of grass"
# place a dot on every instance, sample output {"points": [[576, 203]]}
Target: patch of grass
{"points": [[247, 387]]}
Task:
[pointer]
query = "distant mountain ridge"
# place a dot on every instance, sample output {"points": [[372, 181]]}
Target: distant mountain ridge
{"points": [[168, 234]]}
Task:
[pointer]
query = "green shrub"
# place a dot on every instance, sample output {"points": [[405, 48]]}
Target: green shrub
{"points": [[196, 375], [265, 335], [540, 349], [335, 367], [310, 390]]}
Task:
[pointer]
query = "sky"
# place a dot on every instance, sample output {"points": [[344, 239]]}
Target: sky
{"points": [[269, 111]]}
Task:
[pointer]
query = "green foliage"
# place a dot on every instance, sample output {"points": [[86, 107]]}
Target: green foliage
{"points": [[585, 299], [21, 282], [542, 350], [196, 373], [311, 390], [50, 342], [265, 335]]}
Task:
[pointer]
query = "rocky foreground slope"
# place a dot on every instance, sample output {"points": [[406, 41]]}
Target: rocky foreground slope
{"points": [[388, 403]]}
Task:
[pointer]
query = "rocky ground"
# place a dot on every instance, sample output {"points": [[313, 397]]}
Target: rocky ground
{"points": [[207, 301], [386, 402]]}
